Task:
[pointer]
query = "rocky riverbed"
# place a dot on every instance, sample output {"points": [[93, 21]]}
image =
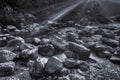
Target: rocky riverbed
{"points": [[60, 51]]}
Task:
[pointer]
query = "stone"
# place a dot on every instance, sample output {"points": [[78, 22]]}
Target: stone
{"points": [[80, 50], [110, 42], [3, 41], [58, 43], [107, 54], [11, 28], [23, 75], [65, 72], [115, 59], [108, 35], [70, 63], [71, 54], [36, 41], [45, 41], [7, 68], [46, 50], [36, 67], [84, 66], [6, 55], [29, 54], [76, 77], [64, 78], [61, 56], [53, 65], [72, 36]]}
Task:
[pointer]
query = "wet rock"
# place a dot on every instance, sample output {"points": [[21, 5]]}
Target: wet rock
{"points": [[36, 67], [72, 36], [3, 41], [108, 35], [58, 43], [61, 56], [65, 72], [6, 55], [46, 50], [7, 68], [107, 54], [110, 42], [36, 41], [80, 50], [24, 75], [53, 65], [84, 66], [11, 28], [115, 59], [70, 63], [76, 77], [64, 78], [45, 41], [29, 54], [71, 54]]}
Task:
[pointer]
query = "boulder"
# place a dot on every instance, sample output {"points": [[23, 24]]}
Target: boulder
{"points": [[46, 50], [7, 68], [80, 50], [6, 55], [53, 65]]}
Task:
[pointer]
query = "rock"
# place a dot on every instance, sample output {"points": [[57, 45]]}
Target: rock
{"points": [[64, 78], [3, 41], [76, 77], [80, 50], [115, 59], [65, 72], [45, 41], [36, 41], [7, 68], [108, 35], [71, 54], [29, 54], [61, 56], [84, 66], [110, 42], [24, 75], [11, 28], [107, 54], [53, 65], [58, 43], [70, 63], [36, 67], [46, 50], [6, 55], [72, 36]]}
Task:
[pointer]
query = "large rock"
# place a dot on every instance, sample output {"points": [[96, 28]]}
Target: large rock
{"points": [[53, 65], [110, 42], [46, 50], [3, 41], [6, 55], [80, 50], [7, 68]]}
